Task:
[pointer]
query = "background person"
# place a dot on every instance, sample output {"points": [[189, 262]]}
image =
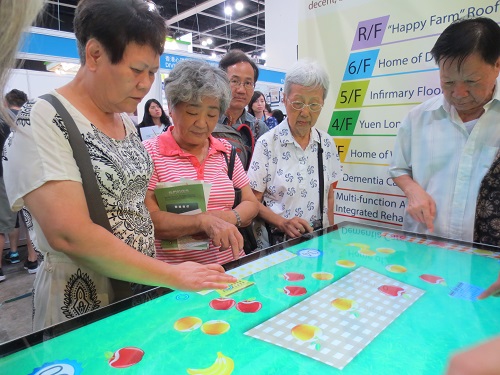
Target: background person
{"points": [[278, 115], [197, 94], [271, 121], [258, 108], [284, 172], [445, 145], [236, 125], [155, 120], [14, 100], [15, 15], [119, 43]]}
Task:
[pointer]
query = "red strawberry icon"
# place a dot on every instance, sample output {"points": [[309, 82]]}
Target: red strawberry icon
{"points": [[433, 279], [293, 291], [293, 276], [392, 290], [126, 357], [222, 303]]}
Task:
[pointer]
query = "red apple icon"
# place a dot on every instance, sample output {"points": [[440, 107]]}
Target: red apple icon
{"points": [[126, 357], [222, 303], [293, 276], [294, 291], [248, 306]]}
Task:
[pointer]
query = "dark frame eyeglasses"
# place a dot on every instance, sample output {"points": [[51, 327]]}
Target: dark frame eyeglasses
{"points": [[237, 83]]}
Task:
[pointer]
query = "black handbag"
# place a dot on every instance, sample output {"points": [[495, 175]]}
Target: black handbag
{"points": [[250, 242]]}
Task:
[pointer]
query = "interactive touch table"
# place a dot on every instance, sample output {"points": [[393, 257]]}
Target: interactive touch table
{"points": [[351, 299]]}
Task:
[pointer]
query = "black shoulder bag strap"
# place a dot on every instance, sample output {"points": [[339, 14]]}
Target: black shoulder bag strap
{"points": [[230, 162], [250, 242], [97, 211], [321, 178]]}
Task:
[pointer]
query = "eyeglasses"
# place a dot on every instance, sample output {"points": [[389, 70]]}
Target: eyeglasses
{"points": [[299, 106], [236, 83]]}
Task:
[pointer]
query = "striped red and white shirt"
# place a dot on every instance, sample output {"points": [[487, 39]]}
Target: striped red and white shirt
{"points": [[171, 164]]}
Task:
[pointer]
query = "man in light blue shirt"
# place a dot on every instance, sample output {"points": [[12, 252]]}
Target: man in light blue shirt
{"points": [[446, 145]]}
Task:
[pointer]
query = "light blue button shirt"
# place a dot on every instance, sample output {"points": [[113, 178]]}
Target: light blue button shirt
{"points": [[435, 149]]}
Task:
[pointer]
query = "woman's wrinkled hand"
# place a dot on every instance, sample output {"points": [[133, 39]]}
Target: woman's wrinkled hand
{"points": [[295, 227], [223, 234], [191, 276]]}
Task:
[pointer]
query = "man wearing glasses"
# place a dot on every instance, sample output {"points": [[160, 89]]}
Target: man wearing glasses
{"points": [[237, 125], [295, 166]]}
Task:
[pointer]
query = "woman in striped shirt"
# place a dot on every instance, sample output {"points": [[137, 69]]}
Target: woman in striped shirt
{"points": [[197, 93]]}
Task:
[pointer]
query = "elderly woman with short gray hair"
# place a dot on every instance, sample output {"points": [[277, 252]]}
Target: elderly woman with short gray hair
{"points": [[295, 166], [197, 93]]}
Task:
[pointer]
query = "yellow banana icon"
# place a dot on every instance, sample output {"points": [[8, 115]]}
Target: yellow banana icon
{"points": [[222, 366]]}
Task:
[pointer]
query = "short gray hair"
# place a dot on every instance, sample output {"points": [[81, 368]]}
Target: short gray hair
{"points": [[307, 73], [191, 80]]}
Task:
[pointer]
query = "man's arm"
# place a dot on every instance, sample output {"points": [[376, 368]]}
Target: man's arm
{"points": [[493, 290], [480, 360], [421, 206], [331, 202]]}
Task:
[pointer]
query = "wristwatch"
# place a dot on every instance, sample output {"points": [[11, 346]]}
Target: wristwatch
{"points": [[238, 218]]}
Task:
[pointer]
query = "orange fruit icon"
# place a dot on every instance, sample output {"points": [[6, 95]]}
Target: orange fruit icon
{"points": [[345, 263], [188, 323], [367, 252], [322, 275], [344, 304], [215, 327], [396, 268], [386, 250], [306, 332]]}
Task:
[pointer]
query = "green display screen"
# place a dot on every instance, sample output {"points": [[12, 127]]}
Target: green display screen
{"points": [[352, 300]]}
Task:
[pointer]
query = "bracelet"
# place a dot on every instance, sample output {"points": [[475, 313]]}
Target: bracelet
{"points": [[238, 218]]}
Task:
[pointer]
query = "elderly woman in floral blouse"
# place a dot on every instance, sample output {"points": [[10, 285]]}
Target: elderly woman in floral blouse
{"points": [[285, 172]]}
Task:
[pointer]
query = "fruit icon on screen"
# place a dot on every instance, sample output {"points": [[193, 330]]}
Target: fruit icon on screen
{"points": [[345, 263], [187, 324], [222, 303], [396, 268], [248, 306], [385, 250], [366, 252], [322, 275], [392, 291], [293, 291], [307, 333], [126, 357], [358, 244], [293, 276], [223, 365], [346, 304], [433, 279], [215, 327]]}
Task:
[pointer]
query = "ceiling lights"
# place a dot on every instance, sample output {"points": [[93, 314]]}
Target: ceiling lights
{"points": [[239, 6]]}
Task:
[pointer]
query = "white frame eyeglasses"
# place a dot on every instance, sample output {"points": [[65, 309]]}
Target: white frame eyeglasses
{"points": [[299, 106]]}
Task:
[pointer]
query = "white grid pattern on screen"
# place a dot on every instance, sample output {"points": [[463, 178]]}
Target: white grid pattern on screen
{"points": [[344, 334], [261, 264]]}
